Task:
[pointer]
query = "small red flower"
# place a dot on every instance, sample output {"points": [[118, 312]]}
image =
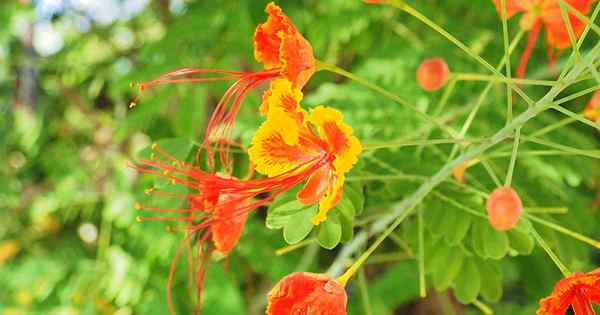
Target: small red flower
{"points": [[504, 208], [592, 110], [307, 293], [282, 50], [577, 291], [545, 13], [432, 74]]}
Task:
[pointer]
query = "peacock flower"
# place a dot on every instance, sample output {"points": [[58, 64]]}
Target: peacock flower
{"points": [[577, 291], [307, 293], [547, 14], [592, 110], [284, 53], [317, 146]]}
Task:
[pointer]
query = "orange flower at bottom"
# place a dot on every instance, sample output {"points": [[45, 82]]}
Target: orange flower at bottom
{"points": [[578, 291], [307, 293]]}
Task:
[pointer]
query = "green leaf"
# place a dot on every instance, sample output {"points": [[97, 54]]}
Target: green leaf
{"points": [[468, 283], [521, 242], [330, 232], [495, 242], [443, 277], [491, 277], [279, 217], [437, 256], [282, 208], [477, 242], [354, 192], [299, 225], [459, 230], [345, 209]]}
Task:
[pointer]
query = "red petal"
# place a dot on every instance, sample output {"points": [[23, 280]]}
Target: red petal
{"points": [[316, 186], [307, 293]]}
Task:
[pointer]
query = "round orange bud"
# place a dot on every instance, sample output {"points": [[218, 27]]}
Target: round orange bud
{"points": [[504, 208], [432, 74], [307, 293]]}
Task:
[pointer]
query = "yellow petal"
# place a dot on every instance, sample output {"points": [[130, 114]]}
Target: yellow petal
{"points": [[282, 99], [338, 135], [330, 200]]}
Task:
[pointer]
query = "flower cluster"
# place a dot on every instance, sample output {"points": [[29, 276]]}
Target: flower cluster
{"points": [[292, 146]]}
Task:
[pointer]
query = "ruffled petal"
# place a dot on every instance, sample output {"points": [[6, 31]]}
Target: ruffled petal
{"points": [[343, 145], [279, 45], [267, 38], [283, 100], [297, 58]]}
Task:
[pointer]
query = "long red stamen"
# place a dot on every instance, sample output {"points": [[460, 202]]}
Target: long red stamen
{"points": [[533, 35]]}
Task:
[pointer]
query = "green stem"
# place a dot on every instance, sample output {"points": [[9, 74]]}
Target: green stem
{"points": [[493, 79], [337, 70], [422, 285], [485, 92], [509, 110], [404, 208], [513, 158], [392, 145], [364, 293], [563, 269], [564, 230], [483, 307], [576, 116], [343, 279], [418, 15]]}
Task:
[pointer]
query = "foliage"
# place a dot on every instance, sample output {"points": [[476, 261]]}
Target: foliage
{"points": [[70, 243]]}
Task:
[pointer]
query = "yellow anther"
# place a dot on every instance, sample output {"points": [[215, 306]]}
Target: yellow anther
{"points": [[148, 191], [154, 146], [152, 156], [138, 218], [137, 206], [132, 104]]}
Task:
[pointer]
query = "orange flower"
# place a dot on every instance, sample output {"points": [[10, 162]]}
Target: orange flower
{"points": [[282, 50], [307, 293], [545, 13], [578, 291], [592, 110], [287, 146]]}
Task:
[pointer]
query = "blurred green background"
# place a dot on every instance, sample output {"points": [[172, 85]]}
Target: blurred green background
{"points": [[69, 240]]}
